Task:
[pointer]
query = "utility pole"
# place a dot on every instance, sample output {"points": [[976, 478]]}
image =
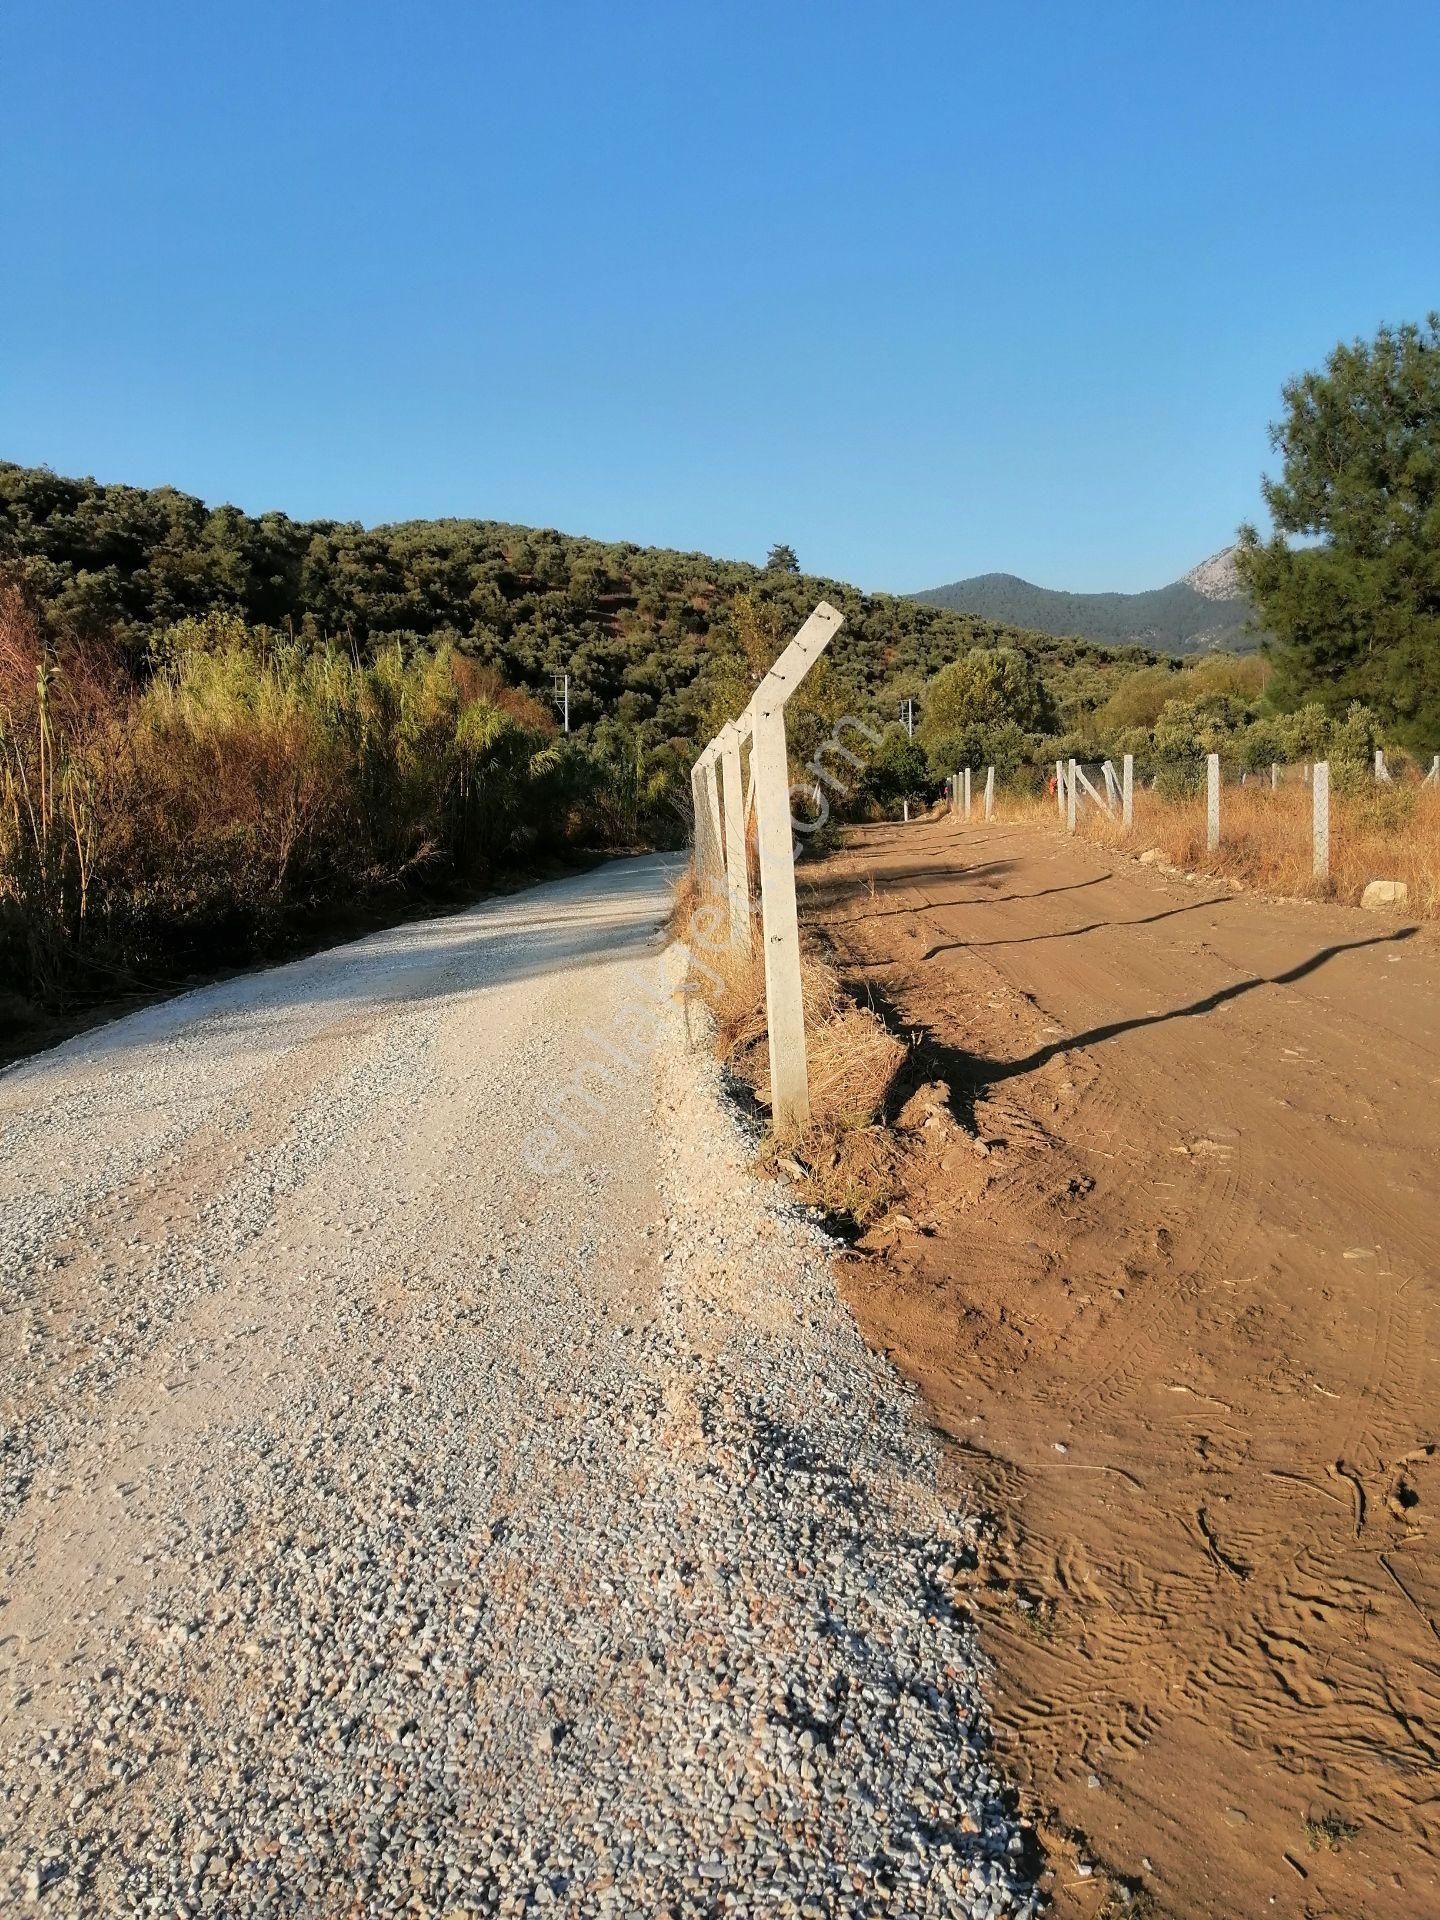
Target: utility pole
{"points": [[907, 714], [562, 700]]}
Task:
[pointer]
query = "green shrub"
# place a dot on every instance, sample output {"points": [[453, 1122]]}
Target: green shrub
{"points": [[253, 779], [1002, 746]]}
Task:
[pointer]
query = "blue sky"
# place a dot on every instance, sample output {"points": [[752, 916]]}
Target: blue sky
{"points": [[926, 290]]}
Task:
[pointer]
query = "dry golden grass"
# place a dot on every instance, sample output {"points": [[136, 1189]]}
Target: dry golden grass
{"points": [[1376, 833], [847, 1159]]}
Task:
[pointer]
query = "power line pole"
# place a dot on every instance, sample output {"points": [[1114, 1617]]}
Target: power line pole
{"points": [[562, 700], [907, 714]]}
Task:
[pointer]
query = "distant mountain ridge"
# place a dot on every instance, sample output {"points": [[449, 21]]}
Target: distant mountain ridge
{"points": [[1206, 611]]}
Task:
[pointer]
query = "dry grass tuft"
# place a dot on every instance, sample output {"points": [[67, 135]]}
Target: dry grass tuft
{"points": [[1376, 833], [847, 1160]]}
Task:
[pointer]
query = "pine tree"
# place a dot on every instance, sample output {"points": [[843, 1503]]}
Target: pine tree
{"points": [[1348, 586]]}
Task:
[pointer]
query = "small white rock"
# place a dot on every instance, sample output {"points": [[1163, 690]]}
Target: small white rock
{"points": [[1380, 894]]}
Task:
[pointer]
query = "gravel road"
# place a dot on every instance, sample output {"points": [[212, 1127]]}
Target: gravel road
{"points": [[413, 1505]]}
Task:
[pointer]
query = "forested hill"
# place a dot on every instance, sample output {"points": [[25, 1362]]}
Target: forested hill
{"points": [[1174, 619], [634, 627]]}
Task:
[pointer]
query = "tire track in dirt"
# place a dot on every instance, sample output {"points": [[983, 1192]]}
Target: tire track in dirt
{"points": [[1176, 1319]]}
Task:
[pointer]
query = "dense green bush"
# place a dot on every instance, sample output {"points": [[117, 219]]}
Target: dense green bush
{"points": [[896, 770], [1000, 744]]}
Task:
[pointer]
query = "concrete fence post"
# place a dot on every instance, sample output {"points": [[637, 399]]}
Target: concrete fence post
{"points": [[1127, 790], [1432, 778], [709, 843], [1274, 776], [989, 792], [784, 1002], [697, 805], [1212, 801], [1072, 791], [737, 870], [1320, 819], [967, 794], [1382, 772]]}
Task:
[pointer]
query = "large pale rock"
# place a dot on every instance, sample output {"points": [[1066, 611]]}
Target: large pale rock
{"points": [[1385, 893]]}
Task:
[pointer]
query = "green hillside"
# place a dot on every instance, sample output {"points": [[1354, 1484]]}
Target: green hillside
{"points": [[1173, 619], [639, 630]]}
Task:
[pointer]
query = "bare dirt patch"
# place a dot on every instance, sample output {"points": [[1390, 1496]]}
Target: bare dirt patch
{"points": [[1170, 1289]]}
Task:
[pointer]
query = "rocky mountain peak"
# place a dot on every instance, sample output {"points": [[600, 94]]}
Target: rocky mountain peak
{"points": [[1216, 578]]}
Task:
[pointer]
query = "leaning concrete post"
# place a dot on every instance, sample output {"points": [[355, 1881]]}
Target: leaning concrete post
{"points": [[763, 721], [1060, 789], [1127, 790], [1320, 818], [1212, 801], [1072, 789], [989, 791], [1432, 778], [737, 871]]}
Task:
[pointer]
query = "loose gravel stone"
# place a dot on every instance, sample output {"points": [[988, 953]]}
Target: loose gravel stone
{"points": [[391, 1527]]}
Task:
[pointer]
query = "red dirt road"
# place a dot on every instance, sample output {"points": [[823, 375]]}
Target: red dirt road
{"points": [[1180, 1321]]}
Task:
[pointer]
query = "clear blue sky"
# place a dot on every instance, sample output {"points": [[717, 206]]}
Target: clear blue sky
{"points": [[926, 290]]}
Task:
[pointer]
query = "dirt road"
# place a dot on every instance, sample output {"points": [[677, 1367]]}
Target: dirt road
{"points": [[1178, 1311], [439, 1479]]}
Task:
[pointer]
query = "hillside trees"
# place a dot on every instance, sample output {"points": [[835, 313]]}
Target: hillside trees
{"points": [[253, 782], [979, 710], [636, 628], [1349, 582]]}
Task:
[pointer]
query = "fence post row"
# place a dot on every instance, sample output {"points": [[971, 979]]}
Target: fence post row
{"points": [[1071, 777], [720, 850]]}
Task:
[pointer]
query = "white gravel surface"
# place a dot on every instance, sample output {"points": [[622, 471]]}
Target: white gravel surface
{"points": [[390, 1527]]}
